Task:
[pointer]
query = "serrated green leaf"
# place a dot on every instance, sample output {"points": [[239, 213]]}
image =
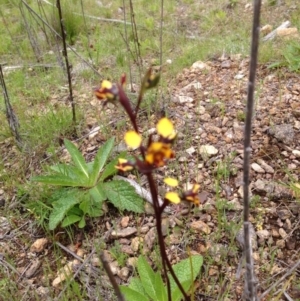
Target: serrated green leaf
{"points": [[90, 207], [136, 285], [97, 193], [147, 277], [110, 169], [77, 157], [132, 295], [184, 272], [70, 219], [58, 180], [100, 159], [72, 172], [123, 196], [60, 209]]}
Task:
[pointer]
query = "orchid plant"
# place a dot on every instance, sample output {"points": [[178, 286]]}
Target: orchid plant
{"points": [[154, 154]]}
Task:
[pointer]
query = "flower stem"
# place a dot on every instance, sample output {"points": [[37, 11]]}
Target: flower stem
{"points": [[161, 241]]}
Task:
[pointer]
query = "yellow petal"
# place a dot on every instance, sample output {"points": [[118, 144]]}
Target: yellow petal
{"points": [[133, 139], [171, 182], [196, 188], [123, 165], [155, 147], [165, 127], [106, 84], [173, 197]]}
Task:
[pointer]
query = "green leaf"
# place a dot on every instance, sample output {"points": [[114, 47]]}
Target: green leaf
{"points": [[82, 223], [123, 196], [100, 159], [176, 293], [70, 219], [136, 285], [147, 277], [72, 172], [185, 273], [59, 180], [97, 193], [77, 157], [160, 289], [75, 210], [110, 169], [132, 295], [90, 207], [60, 209]]}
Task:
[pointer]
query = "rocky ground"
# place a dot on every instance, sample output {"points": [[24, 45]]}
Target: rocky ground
{"points": [[207, 106]]}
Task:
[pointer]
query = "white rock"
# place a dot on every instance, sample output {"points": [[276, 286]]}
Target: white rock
{"points": [[190, 150], [43, 291], [296, 153], [184, 99], [169, 61], [196, 85], [263, 234], [63, 274], [4, 225], [287, 32], [151, 131], [201, 65], [239, 76], [39, 245], [292, 166], [297, 125], [208, 150], [266, 166], [235, 203], [124, 221], [132, 262], [282, 233], [124, 273], [135, 243], [266, 29], [200, 110], [241, 191], [182, 159], [200, 226], [257, 168], [94, 132], [114, 267], [248, 6]]}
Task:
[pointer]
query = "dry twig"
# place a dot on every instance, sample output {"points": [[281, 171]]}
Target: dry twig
{"points": [[289, 272], [10, 115], [111, 278], [75, 274], [250, 282], [59, 36], [65, 54]]}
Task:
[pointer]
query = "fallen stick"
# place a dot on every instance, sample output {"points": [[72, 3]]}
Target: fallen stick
{"points": [[12, 68], [273, 34], [103, 19], [93, 17], [289, 272]]}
